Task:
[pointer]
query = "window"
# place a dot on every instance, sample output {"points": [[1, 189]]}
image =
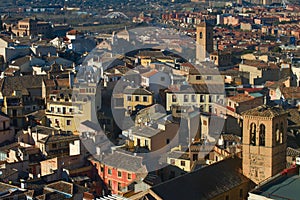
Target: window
{"points": [[109, 171], [281, 132], [54, 146], [119, 174], [241, 193], [102, 169], [253, 134], [210, 99], [109, 183], [210, 109], [52, 109], [167, 141], [172, 162], [186, 98], [198, 78], [68, 122], [201, 108], [129, 176], [262, 134], [209, 78], [58, 110], [277, 134], [119, 187], [182, 163], [193, 98], [128, 98], [71, 110], [174, 99], [14, 112], [195, 157], [146, 143], [145, 99], [201, 35], [137, 98], [201, 98]]}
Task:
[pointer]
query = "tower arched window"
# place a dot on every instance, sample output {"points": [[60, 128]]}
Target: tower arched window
{"points": [[277, 134], [253, 134], [281, 133], [262, 135], [201, 35]]}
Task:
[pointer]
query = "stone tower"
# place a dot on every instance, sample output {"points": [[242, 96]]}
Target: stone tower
{"points": [[204, 41], [264, 142]]}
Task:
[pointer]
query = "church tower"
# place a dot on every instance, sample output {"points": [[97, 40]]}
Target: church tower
{"points": [[264, 142], [204, 41]]}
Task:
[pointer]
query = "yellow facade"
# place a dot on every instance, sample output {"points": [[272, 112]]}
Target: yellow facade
{"points": [[66, 116], [183, 164], [203, 101], [131, 100]]}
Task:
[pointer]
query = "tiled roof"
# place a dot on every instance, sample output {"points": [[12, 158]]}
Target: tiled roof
{"points": [[197, 89], [150, 73], [9, 84], [260, 64], [59, 138], [292, 152], [92, 125], [205, 183], [241, 98], [62, 186], [291, 92], [124, 161], [137, 91], [265, 111], [231, 137]]}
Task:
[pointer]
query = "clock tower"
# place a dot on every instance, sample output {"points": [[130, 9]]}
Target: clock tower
{"points": [[264, 142]]}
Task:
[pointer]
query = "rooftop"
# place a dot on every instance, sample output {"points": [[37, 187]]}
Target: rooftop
{"points": [[124, 161], [241, 98], [265, 111], [282, 187], [205, 183]]}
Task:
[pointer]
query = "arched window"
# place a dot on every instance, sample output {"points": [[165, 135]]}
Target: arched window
{"points": [[281, 133], [262, 135], [277, 134], [253, 134], [201, 35]]}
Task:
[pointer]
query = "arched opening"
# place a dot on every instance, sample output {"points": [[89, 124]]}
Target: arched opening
{"points": [[201, 35], [262, 135], [277, 134], [253, 134], [281, 133]]}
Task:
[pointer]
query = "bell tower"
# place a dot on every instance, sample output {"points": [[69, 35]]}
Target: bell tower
{"points": [[264, 142], [204, 41]]}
